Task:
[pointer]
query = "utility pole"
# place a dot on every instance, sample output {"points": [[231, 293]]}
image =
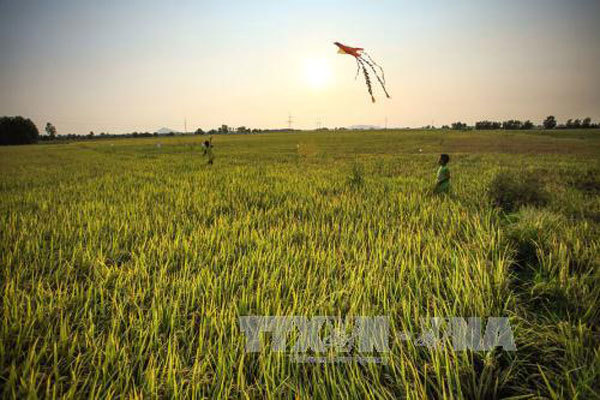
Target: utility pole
{"points": [[289, 121], [185, 125]]}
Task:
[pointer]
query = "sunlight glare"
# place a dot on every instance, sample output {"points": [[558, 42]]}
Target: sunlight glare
{"points": [[317, 72]]}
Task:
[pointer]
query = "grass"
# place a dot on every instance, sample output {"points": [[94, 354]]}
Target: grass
{"points": [[511, 190], [125, 266]]}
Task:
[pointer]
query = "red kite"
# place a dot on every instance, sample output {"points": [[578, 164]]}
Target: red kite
{"points": [[358, 52]]}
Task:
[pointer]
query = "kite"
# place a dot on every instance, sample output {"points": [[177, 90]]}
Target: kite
{"points": [[358, 53]]}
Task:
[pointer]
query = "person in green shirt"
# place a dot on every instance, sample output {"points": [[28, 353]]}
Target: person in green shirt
{"points": [[208, 151], [443, 175]]}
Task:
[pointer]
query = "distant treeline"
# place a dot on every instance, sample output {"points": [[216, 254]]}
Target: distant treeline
{"points": [[19, 130], [223, 129], [513, 124]]}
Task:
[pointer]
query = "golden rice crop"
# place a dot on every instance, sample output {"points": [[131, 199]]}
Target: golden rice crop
{"points": [[125, 267]]}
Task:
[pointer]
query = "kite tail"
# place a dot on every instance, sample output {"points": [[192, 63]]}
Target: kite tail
{"points": [[377, 65], [357, 68], [367, 79], [381, 82]]}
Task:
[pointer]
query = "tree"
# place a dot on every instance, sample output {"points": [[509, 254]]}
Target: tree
{"points": [[587, 123], [51, 130], [17, 130], [199, 131], [459, 126], [512, 124], [224, 129], [569, 124], [482, 125], [550, 122], [527, 125], [577, 123], [91, 134]]}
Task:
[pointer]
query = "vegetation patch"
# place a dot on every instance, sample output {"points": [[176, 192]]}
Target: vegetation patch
{"points": [[588, 181], [510, 190], [127, 274], [356, 178]]}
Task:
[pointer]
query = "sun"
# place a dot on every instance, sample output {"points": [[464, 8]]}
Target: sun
{"points": [[317, 72]]}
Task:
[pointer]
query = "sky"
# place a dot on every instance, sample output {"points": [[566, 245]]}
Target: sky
{"points": [[121, 66]]}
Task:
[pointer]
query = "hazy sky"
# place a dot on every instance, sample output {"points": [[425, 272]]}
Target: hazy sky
{"points": [[123, 65]]}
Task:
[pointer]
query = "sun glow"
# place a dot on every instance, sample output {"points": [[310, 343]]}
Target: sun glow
{"points": [[317, 72]]}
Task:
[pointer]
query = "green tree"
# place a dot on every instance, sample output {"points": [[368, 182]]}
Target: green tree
{"points": [[458, 126], [50, 130], [17, 130], [224, 129], [527, 125], [587, 123], [512, 124], [550, 122]]}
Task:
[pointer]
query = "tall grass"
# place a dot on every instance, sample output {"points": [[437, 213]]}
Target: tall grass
{"points": [[126, 267]]}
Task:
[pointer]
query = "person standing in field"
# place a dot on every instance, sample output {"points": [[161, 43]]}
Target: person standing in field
{"points": [[443, 175], [208, 151]]}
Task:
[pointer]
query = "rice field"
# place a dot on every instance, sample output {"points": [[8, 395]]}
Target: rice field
{"points": [[126, 265]]}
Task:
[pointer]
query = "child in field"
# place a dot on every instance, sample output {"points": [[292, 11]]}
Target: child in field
{"points": [[443, 175], [208, 150]]}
